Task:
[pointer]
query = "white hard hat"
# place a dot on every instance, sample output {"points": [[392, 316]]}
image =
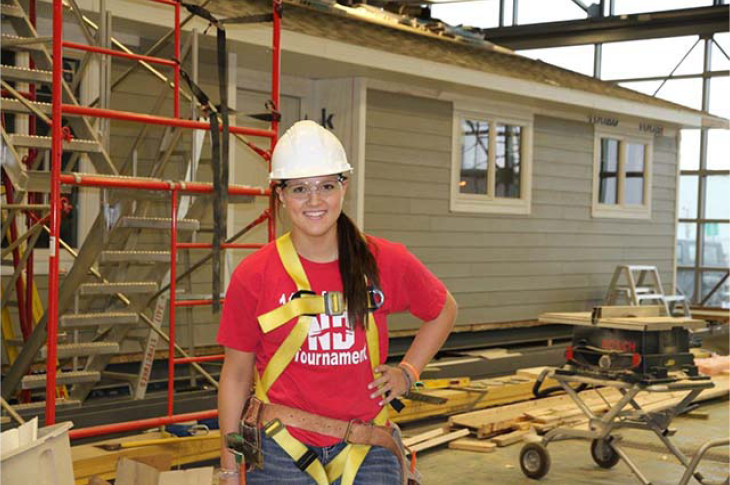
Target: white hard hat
{"points": [[307, 150]]}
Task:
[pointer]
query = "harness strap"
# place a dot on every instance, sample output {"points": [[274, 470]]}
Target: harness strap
{"points": [[304, 458], [330, 303], [348, 461]]}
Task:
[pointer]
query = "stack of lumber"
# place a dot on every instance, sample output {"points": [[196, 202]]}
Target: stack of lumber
{"points": [[91, 459], [471, 395], [508, 424], [484, 430]]}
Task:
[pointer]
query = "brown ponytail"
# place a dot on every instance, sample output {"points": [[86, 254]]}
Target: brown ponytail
{"points": [[357, 264]]}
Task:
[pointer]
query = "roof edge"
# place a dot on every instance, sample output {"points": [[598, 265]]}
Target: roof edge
{"points": [[343, 52]]}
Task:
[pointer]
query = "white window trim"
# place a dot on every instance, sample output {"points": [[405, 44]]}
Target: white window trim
{"points": [[486, 203], [622, 210]]}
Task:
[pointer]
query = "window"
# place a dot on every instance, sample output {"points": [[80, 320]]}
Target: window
{"points": [[491, 164], [622, 176]]}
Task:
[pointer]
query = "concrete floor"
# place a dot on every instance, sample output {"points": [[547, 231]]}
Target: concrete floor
{"points": [[572, 462]]}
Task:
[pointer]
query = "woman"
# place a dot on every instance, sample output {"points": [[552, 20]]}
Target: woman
{"points": [[305, 320]]}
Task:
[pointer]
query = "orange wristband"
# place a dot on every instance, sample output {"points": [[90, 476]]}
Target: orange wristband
{"points": [[409, 366]]}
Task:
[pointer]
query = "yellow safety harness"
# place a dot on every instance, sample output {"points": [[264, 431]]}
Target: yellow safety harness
{"points": [[348, 461]]}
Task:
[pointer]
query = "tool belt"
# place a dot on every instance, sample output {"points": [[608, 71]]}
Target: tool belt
{"points": [[271, 418]]}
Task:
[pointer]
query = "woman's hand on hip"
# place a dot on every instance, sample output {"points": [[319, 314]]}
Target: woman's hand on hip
{"points": [[390, 384]]}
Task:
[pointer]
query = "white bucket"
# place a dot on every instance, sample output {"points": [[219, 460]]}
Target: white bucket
{"points": [[45, 461]]}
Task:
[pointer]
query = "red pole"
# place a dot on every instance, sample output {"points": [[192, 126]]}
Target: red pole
{"points": [[75, 434], [157, 120], [29, 266], [152, 184], [55, 202], [122, 54], [189, 303], [275, 98], [173, 285], [176, 98], [205, 358]]}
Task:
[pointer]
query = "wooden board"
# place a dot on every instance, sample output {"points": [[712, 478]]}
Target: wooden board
{"points": [[477, 395], [628, 311], [471, 444], [713, 315], [433, 442], [510, 438], [628, 323], [88, 460], [560, 411], [423, 436]]}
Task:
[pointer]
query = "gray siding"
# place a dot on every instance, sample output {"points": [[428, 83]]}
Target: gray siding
{"points": [[502, 267]]}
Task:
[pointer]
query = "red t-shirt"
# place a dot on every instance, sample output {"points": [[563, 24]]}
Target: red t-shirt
{"points": [[330, 373]]}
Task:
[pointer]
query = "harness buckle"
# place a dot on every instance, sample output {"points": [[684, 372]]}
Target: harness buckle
{"points": [[273, 427], [333, 303], [348, 430], [306, 459], [376, 298]]}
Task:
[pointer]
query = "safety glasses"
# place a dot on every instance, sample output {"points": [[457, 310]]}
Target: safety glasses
{"points": [[302, 190]]}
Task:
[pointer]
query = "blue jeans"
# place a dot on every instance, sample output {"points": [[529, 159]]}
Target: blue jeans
{"points": [[381, 467]]}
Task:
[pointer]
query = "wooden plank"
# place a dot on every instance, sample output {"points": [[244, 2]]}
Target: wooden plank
{"points": [[424, 445], [510, 438], [521, 426], [423, 436], [639, 323], [98, 481], [531, 372], [475, 419], [710, 314], [489, 430], [88, 460], [628, 311], [471, 444], [479, 394]]}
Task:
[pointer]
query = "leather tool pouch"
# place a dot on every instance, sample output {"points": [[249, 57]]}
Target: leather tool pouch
{"points": [[410, 475], [251, 434]]}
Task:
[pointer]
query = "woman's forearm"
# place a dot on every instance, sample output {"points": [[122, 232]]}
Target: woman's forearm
{"points": [[233, 391], [432, 335]]}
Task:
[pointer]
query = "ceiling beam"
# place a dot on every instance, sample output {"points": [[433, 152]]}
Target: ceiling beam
{"points": [[673, 23]]}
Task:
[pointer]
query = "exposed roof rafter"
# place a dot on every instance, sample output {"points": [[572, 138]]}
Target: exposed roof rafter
{"points": [[673, 23]]}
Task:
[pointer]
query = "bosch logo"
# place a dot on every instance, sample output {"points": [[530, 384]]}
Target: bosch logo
{"points": [[620, 345]]}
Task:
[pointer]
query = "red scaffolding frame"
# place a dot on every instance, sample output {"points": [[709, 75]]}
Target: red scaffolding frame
{"points": [[175, 189]]}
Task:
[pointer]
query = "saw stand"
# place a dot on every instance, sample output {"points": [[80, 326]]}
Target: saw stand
{"points": [[605, 448]]}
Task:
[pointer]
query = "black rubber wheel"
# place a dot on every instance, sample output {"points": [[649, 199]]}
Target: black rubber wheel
{"points": [[534, 460], [603, 453]]}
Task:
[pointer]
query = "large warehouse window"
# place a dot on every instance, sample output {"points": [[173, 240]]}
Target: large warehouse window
{"points": [[622, 176], [491, 164]]}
